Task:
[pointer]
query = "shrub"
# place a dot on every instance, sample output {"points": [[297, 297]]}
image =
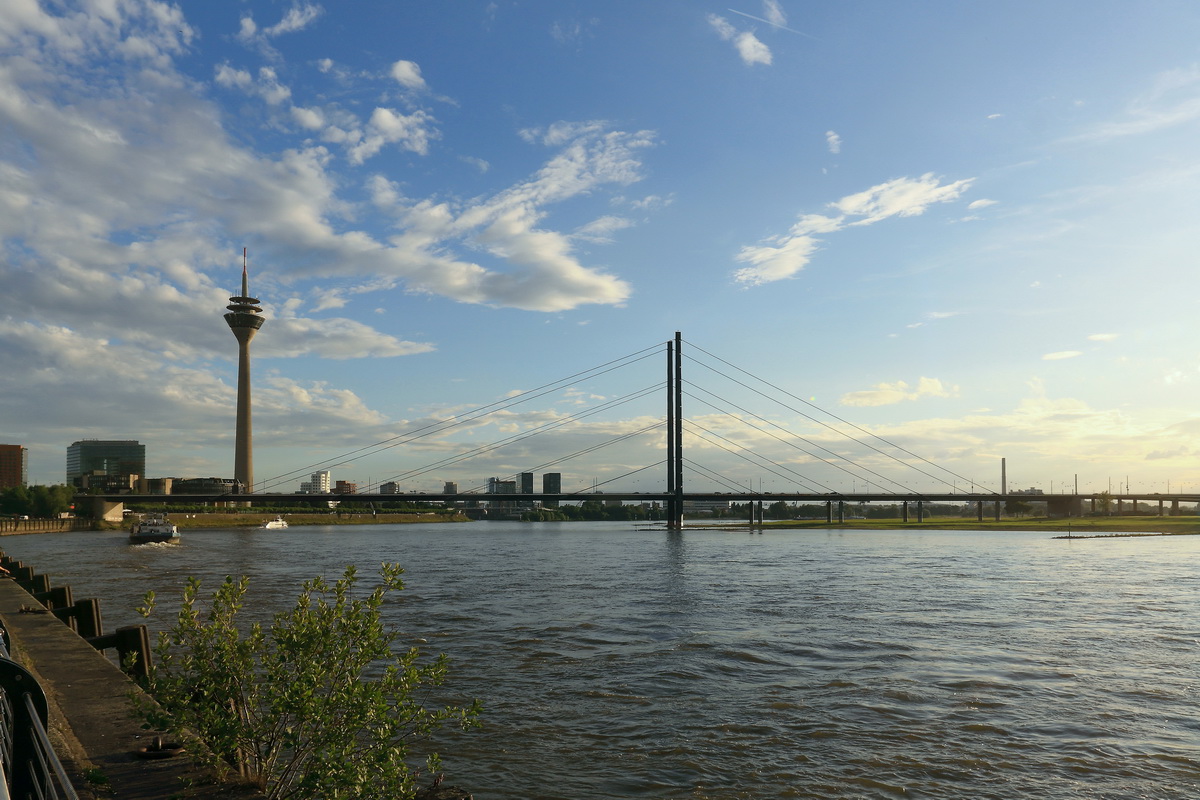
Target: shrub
{"points": [[320, 704]]}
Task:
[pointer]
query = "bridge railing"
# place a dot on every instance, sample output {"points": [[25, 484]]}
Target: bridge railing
{"points": [[31, 768]]}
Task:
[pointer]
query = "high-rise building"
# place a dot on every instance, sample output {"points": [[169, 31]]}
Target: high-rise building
{"points": [[551, 484], [501, 486], [118, 459], [345, 487], [450, 487], [244, 319], [318, 483], [14, 466], [526, 483]]}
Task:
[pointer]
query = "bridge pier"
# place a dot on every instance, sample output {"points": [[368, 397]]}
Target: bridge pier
{"points": [[841, 512], [904, 512], [107, 510], [1174, 508], [1064, 506], [829, 512], [920, 511], [979, 510], [997, 509]]}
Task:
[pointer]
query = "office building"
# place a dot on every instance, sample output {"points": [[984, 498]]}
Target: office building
{"points": [[202, 486], [526, 483], [14, 466], [345, 487], [317, 483], [119, 460], [501, 486], [450, 487], [551, 484]]}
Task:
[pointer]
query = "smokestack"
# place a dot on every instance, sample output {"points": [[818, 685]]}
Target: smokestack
{"points": [[1003, 476]]}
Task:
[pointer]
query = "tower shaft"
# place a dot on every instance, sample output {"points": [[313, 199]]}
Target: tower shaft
{"points": [[243, 447], [244, 319]]}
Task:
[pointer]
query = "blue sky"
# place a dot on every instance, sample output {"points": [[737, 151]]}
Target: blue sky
{"points": [[969, 229]]}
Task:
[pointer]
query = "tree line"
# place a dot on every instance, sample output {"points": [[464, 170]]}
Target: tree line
{"points": [[36, 501]]}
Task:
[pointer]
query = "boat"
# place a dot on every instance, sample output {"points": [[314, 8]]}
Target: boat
{"points": [[154, 528], [274, 524]]}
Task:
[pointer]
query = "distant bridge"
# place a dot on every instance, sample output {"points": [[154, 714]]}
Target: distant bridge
{"points": [[674, 498], [1061, 505]]}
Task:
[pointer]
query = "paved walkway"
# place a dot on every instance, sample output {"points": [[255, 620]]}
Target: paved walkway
{"points": [[91, 712]]}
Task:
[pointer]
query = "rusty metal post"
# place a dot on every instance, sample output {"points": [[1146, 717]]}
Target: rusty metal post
{"points": [[56, 597], [132, 640]]}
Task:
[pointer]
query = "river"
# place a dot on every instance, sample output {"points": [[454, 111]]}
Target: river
{"points": [[623, 663]]}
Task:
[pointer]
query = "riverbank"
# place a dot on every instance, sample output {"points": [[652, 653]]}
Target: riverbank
{"points": [[1077, 525], [254, 519]]}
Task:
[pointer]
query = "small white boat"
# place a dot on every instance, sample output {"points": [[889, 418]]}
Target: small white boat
{"points": [[154, 528], [274, 524]]}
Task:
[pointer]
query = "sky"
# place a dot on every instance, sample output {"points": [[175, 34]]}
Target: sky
{"points": [[901, 242]]}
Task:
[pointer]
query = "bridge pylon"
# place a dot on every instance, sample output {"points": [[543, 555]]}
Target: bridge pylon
{"points": [[674, 505]]}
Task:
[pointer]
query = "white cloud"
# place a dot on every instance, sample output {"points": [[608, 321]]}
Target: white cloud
{"points": [[412, 132], [297, 18], [833, 141], [885, 394], [477, 163], [337, 338], [773, 13], [783, 256], [901, 197], [408, 75], [601, 230], [749, 47], [1173, 100], [310, 118], [982, 203]]}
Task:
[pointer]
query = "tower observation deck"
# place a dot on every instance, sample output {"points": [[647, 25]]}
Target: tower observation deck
{"points": [[244, 319]]}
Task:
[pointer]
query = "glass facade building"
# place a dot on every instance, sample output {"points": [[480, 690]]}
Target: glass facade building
{"points": [[113, 458]]}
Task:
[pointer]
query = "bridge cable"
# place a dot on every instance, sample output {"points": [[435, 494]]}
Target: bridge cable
{"points": [[758, 459], [831, 414], [617, 478], [594, 448], [469, 416], [714, 476], [803, 439], [515, 438], [770, 466]]}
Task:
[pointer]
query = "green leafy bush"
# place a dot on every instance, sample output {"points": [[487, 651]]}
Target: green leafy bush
{"points": [[320, 704]]}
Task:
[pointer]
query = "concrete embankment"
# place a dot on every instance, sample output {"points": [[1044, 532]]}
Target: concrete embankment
{"points": [[91, 714], [9, 527], [93, 725]]}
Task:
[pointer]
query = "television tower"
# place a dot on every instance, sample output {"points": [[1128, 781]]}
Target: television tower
{"points": [[244, 318]]}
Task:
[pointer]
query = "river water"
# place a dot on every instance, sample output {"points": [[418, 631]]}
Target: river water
{"points": [[623, 663]]}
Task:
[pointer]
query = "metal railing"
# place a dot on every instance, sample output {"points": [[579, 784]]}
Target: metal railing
{"points": [[30, 767]]}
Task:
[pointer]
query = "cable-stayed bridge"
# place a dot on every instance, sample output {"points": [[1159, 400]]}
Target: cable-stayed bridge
{"points": [[814, 464]]}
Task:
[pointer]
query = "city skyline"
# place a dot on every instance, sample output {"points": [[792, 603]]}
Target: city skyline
{"points": [[969, 230]]}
